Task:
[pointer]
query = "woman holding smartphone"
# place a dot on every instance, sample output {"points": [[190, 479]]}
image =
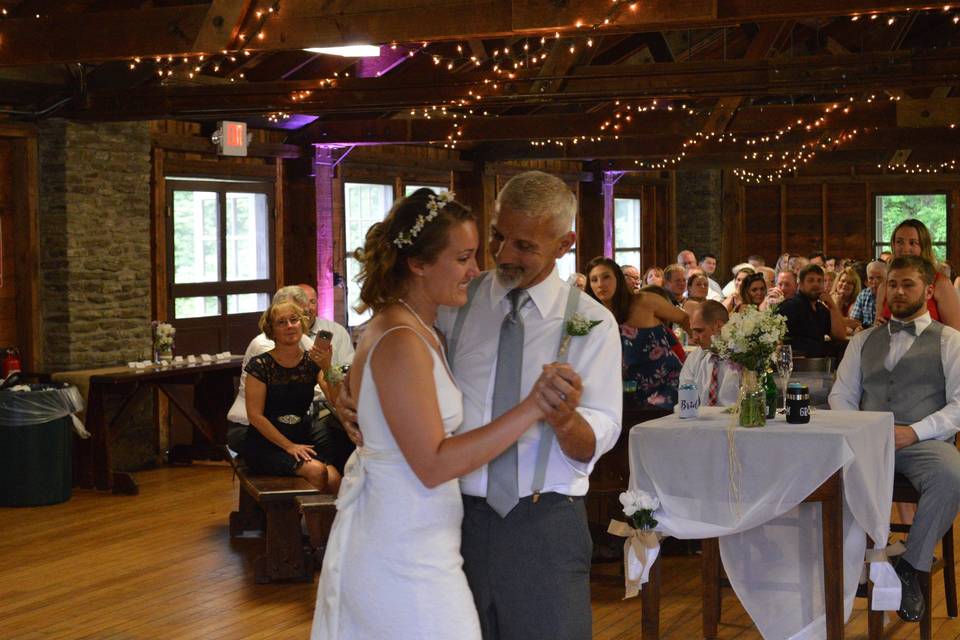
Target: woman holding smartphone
{"points": [[283, 439]]}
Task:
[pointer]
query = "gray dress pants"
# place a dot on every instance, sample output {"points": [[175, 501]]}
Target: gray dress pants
{"points": [[933, 468], [529, 572]]}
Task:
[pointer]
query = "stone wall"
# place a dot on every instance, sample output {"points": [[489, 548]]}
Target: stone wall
{"points": [[699, 211], [95, 261], [95, 243]]}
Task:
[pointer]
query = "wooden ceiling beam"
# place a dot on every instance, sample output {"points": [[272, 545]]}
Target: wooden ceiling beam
{"points": [[817, 75], [177, 30], [221, 26]]}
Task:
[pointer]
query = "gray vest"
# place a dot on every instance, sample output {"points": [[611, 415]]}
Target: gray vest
{"points": [[915, 388]]}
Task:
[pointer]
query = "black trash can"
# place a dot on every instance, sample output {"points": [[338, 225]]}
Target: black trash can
{"points": [[36, 444]]}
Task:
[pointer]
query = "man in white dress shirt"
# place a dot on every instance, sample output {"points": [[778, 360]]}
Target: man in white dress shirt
{"points": [[708, 262], [911, 367], [529, 569], [718, 382]]}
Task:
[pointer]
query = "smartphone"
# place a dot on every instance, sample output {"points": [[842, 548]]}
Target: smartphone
{"points": [[324, 335]]}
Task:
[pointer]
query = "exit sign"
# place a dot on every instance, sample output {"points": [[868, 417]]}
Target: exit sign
{"points": [[233, 138]]}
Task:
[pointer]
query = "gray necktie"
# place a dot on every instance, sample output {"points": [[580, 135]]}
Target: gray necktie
{"points": [[896, 326], [502, 488]]}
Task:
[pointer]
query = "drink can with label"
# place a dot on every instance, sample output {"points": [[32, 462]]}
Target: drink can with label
{"points": [[688, 399]]}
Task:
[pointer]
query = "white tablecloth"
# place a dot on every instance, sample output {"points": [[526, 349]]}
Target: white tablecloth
{"points": [[770, 543]]}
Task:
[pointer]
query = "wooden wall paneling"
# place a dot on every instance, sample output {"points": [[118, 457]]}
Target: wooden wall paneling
{"points": [[477, 190], [732, 208], [824, 216], [279, 211], [783, 220], [591, 219], [871, 232], [299, 225], [804, 218], [953, 230], [761, 225], [845, 228], [10, 224]]}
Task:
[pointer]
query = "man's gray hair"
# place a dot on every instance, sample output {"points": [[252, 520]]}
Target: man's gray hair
{"points": [[292, 292], [537, 194], [877, 264]]}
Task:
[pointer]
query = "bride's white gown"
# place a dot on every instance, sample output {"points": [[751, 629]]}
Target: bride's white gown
{"points": [[392, 567]]}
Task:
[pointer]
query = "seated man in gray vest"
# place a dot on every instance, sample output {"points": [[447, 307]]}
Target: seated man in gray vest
{"points": [[911, 367]]}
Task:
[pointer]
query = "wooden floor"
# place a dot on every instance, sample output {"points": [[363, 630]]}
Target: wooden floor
{"points": [[161, 565]]}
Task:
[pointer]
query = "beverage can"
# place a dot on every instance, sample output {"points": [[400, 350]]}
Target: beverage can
{"points": [[688, 400]]}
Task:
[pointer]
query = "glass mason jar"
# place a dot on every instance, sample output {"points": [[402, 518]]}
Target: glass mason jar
{"points": [[753, 401]]}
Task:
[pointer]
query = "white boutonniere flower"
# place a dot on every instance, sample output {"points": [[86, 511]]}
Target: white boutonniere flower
{"points": [[578, 325]]}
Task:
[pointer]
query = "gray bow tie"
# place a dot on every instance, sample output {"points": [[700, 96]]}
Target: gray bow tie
{"points": [[897, 326]]}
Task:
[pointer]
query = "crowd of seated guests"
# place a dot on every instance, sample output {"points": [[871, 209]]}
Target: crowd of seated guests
{"points": [[825, 299]]}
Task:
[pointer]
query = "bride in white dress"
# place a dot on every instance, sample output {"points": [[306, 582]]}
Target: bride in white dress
{"points": [[392, 567]]}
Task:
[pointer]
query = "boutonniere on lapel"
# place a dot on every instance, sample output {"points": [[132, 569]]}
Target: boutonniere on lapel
{"points": [[578, 325]]}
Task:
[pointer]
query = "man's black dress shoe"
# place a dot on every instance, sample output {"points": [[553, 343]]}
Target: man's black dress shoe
{"points": [[911, 597]]}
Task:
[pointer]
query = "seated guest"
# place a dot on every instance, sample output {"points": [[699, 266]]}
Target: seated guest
{"points": [[786, 288], [752, 291], [732, 286], [718, 381], [340, 351], [845, 290], [811, 315], [675, 282], [708, 262], [698, 290], [733, 300], [795, 263], [885, 256], [671, 327], [653, 276], [864, 308], [769, 275], [912, 368], [830, 264], [648, 358], [280, 383], [632, 274], [756, 261], [818, 258], [687, 259]]}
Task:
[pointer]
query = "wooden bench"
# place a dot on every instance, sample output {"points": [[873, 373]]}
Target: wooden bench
{"points": [[270, 504], [318, 512]]}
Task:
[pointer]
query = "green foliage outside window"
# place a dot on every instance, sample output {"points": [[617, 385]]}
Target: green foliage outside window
{"points": [[930, 208]]}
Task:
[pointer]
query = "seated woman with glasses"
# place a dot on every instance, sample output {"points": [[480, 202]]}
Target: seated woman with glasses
{"points": [[279, 390]]}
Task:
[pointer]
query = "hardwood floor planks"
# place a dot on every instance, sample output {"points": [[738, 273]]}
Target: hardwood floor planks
{"points": [[161, 565]]}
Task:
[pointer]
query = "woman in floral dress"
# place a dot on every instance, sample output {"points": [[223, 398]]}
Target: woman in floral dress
{"points": [[648, 359]]}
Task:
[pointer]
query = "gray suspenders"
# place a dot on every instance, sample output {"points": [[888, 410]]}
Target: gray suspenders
{"points": [[546, 433]]}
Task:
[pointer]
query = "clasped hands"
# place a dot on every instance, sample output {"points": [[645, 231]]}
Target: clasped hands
{"points": [[556, 393]]}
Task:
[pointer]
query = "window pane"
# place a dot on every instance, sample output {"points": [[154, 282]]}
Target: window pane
{"points": [[364, 205], [930, 209], [410, 188], [196, 307], [196, 247], [626, 222], [624, 258], [567, 265], [248, 237], [247, 302]]}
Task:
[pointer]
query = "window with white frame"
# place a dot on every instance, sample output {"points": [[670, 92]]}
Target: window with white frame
{"points": [[364, 204], [928, 208], [626, 232]]}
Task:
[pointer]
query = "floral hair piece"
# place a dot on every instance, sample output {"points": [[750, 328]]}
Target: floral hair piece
{"points": [[434, 204]]}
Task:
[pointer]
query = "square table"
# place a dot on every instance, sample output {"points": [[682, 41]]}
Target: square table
{"points": [[770, 542]]}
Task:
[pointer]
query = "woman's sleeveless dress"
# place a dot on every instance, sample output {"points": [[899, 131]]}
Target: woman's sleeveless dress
{"points": [[392, 568], [649, 360]]}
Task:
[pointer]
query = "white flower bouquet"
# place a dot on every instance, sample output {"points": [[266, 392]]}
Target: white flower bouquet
{"points": [[163, 333], [642, 544], [750, 338], [639, 507]]}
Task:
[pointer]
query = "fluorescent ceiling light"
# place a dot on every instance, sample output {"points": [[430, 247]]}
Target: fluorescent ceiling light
{"points": [[349, 51]]}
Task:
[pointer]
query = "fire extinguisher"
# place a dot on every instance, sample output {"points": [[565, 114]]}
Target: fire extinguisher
{"points": [[11, 363]]}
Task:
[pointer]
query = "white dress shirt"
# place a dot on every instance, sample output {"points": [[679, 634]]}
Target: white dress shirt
{"points": [[596, 357], [716, 288], [342, 355], [698, 367], [847, 389]]}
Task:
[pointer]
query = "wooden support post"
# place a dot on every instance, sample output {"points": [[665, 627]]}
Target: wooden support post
{"points": [[324, 168], [477, 190]]}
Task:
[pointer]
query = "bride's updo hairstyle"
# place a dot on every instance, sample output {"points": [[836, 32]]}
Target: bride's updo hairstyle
{"points": [[410, 230]]}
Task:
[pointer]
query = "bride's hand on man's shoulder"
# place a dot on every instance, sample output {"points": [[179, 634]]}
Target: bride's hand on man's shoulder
{"points": [[346, 408], [557, 393]]}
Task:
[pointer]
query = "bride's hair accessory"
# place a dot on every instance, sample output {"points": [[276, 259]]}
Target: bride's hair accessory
{"points": [[434, 204]]}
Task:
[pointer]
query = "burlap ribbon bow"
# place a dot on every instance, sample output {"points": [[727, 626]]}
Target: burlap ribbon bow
{"points": [[640, 551]]}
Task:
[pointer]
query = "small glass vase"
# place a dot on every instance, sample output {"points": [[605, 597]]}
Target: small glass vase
{"points": [[165, 357], [753, 401]]}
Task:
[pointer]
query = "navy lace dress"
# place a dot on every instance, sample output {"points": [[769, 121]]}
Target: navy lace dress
{"points": [[650, 362]]}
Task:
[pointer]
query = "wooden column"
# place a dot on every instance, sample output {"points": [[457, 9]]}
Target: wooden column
{"points": [[733, 231], [477, 190], [591, 222], [324, 168]]}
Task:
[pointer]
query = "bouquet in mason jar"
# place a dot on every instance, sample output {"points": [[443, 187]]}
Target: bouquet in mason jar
{"points": [[163, 333], [750, 338]]}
